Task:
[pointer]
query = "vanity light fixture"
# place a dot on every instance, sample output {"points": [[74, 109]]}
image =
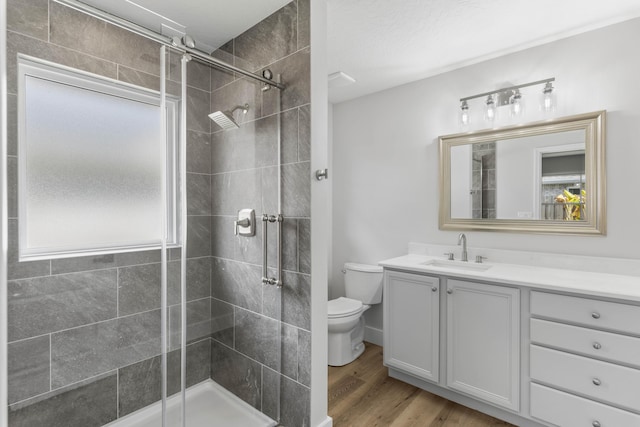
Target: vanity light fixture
{"points": [[509, 96]]}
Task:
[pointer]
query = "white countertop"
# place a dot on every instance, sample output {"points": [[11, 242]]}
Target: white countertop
{"points": [[599, 284]]}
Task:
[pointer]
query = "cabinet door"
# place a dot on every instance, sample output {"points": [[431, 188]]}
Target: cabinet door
{"points": [[483, 342], [411, 324]]}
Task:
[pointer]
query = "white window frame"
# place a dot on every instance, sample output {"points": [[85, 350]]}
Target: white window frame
{"points": [[34, 67]]}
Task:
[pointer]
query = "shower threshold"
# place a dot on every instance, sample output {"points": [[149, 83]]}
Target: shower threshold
{"points": [[208, 405]]}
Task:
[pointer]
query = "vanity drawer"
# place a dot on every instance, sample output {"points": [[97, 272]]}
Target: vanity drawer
{"points": [[567, 410], [590, 312], [614, 384], [590, 342]]}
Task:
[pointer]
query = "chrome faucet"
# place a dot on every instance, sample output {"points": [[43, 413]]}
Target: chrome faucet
{"points": [[462, 240]]}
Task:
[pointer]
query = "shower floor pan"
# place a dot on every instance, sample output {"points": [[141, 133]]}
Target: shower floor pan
{"points": [[208, 405]]}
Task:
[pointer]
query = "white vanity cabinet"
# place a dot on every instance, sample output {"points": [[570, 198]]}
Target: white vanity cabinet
{"points": [[412, 322], [481, 332], [585, 355], [483, 341]]}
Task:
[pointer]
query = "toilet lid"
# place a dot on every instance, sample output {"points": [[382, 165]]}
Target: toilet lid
{"points": [[342, 306]]}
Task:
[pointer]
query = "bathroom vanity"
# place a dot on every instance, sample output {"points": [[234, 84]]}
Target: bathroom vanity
{"points": [[534, 346]]}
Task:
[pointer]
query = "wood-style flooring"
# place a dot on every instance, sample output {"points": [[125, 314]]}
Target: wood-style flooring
{"points": [[362, 395]]}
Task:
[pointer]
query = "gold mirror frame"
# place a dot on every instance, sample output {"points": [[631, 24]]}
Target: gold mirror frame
{"points": [[594, 126]]}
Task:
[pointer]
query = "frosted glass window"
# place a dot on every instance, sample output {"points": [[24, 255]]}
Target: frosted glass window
{"points": [[90, 164]]}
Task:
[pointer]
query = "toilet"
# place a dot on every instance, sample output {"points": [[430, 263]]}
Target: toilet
{"points": [[363, 287]]}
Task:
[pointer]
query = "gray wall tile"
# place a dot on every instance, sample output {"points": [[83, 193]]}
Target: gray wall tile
{"points": [[198, 194], [12, 125], [90, 405], [17, 43], [304, 134], [253, 145], [291, 303], [295, 70], [198, 152], [139, 257], [138, 289], [198, 322], [304, 21], [304, 246], [140, 384], [304, 357], [236, 190], [29, 17], [296, 189], [289, 346], [271, 393], [198, 362], [46, 304], [198, 74], [298, 414], [28, 368], [19, 270], [198, 278], [222, 322], [12, 184], [198, 236], [198, 102], [237, 373], [258, 337], [102, 40], [237, 283], [270, 39], [138, 78], [219, 77], [289, 136], [80, 353], [83, 263], [223, 241]]}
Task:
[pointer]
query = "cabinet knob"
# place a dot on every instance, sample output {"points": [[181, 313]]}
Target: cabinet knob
{"points": [[597, 345], [596, 424], [434, 289], [595, 315], [596, 381], [449, 291]]}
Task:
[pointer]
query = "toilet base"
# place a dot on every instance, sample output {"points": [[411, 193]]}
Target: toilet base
{"points": [[345, 347]]}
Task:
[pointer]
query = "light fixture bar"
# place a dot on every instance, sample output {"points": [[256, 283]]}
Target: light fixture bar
{"points": [[482, 95]]}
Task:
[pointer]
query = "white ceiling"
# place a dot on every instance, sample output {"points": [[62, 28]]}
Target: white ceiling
{"points": [[386, 43]]}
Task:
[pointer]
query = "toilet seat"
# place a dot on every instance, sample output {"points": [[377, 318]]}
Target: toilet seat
{"points": [[343, 307]]}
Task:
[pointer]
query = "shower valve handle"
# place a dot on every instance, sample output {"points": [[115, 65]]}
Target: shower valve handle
{"points": [[244, 222]]}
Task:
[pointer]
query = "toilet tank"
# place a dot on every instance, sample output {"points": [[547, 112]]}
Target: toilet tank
{"points": [[363, 282]]}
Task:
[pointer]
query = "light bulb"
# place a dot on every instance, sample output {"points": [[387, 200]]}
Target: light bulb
{"points": [[464, 113], [490, 114], [516, 104], [548, 98]]}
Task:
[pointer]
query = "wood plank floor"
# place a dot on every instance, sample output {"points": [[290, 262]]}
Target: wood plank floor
{"points": [[362, 395]]}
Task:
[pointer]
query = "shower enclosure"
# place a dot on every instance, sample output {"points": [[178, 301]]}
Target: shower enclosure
{"points": [[203, 325]]}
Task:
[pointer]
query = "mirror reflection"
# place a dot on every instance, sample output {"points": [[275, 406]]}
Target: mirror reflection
{"points": [[546, 174]]}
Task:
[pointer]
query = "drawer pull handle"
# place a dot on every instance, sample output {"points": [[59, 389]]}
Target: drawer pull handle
{"points": [[596, 424], [434, 289], [596, 381], [595, 315], [597, 345]]}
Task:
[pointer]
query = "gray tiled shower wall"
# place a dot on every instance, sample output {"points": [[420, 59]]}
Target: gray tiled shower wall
{"points": [[89, 328]]}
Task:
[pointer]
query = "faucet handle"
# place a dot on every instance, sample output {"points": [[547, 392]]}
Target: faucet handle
{"points": [[479, 258], [449, 256]]}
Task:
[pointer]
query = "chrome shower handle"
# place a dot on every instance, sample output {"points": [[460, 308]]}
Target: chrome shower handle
{"points": [[244, 222]]}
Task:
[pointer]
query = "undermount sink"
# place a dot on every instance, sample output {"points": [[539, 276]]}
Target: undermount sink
{"points": [[456, 265]]}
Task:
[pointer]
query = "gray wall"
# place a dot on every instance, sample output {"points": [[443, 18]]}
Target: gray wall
{"points": [[90, 327]]}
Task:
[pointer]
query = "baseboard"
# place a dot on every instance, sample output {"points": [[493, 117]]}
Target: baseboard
{"points": [[328, 422], [373, 335]]}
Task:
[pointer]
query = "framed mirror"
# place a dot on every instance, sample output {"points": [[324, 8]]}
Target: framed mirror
{"points": [[542, 177]]}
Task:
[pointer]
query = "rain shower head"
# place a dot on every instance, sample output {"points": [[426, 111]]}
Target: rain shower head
{"points": [[225, 120]]}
